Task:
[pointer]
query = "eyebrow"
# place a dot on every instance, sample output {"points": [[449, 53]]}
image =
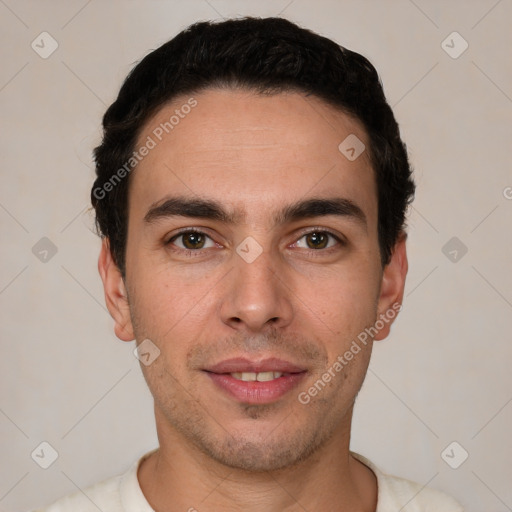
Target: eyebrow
{"points": [[213, 210]]}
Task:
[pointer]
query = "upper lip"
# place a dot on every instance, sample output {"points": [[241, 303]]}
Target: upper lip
{"points": [[244, 365]]}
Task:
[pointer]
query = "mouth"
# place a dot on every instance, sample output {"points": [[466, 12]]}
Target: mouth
{"points": [[256, 382]]}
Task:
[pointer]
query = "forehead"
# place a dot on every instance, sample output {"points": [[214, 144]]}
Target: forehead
{"points": [[250, 150]]}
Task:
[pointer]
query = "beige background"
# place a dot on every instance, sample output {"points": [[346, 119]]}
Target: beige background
{"points": [[443, 376]]}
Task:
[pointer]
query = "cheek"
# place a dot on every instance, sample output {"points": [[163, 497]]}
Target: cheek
{"points": [[171, 310], [342, 300], [163, 296]]}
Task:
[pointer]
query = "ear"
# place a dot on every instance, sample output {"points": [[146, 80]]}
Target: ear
{"points": [[392, 288], [115, 293]]}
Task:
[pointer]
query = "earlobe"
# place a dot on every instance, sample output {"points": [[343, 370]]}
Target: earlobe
{"points": [[115, 293], [392, 288]]}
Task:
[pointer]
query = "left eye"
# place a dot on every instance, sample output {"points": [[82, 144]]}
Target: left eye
{"points": [[317, 240], [192, 240]]}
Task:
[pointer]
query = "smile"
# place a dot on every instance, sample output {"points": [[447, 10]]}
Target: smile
{"points": [[255, 382]]}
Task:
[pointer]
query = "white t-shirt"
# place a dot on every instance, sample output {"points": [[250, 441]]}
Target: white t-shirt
{"points": [[123, 494]]}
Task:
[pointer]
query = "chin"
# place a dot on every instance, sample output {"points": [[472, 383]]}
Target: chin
{"points": [[261, 455]]}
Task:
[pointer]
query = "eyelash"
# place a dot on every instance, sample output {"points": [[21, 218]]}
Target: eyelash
{"points": [[196, 252], [340, 241], [186, 231]]}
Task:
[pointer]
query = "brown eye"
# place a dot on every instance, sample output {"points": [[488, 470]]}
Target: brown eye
{"points": [[192, 240], [317, 240]]}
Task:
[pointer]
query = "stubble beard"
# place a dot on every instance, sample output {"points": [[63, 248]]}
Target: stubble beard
{"points": [[291, 442], [301, 432]]}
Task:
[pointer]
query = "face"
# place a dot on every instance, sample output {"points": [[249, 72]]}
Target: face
{"points": [[253, 264]]}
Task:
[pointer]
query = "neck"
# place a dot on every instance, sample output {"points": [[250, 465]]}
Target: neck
{"points": [[179, 477]]}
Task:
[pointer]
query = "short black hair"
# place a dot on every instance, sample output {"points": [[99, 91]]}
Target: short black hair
{"points": [[264, 55]]}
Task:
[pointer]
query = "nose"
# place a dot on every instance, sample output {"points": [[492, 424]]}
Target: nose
{"points": [[256, 297]]}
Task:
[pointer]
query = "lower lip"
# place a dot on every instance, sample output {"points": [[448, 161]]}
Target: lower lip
{"points": [[256, 392]]}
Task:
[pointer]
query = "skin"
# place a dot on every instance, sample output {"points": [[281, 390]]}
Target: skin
{"points": [[254, 155]]}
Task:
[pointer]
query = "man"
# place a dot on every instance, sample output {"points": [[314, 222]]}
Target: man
{"points": [[251, 194]]}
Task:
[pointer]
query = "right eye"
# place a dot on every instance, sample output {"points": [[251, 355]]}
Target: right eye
{"points": [[192, 240]]}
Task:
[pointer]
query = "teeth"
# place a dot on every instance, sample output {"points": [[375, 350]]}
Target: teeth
{"points": [[253, 377], [266, 376]]}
